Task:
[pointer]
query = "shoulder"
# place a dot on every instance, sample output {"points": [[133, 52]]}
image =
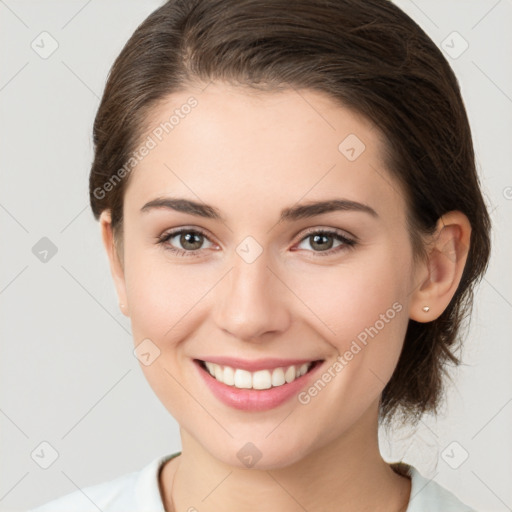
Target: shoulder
{"points": [[428, 496], [133, 492]]}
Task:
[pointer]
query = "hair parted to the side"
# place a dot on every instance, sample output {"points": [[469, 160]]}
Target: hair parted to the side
{"points": [[368, 56]]}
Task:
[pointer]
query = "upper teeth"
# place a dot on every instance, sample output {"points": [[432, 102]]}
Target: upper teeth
{"points": [[262, 379]]}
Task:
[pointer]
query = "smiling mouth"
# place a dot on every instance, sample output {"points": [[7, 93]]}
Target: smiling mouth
{"points": [[258, 380]]}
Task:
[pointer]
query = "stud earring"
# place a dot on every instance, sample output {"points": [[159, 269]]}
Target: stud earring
{"points": [[426, 309]]}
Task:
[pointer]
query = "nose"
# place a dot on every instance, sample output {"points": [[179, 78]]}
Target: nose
{"points": [[251, 301]]}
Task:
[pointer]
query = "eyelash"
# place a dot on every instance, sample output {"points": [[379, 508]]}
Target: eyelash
{"points": [[347, 243]]}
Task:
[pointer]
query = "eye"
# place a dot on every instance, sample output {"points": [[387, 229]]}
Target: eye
{"points": [[190, 239], [322, 240]]}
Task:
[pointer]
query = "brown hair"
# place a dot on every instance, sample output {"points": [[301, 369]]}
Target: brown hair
{"points": [[368, 56]]}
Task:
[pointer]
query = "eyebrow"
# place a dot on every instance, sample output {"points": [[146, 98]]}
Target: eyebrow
{"points": [[293, 213]]}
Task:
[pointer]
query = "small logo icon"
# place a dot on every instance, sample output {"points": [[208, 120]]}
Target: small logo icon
{"points": [[44, 455], [44, 250], [249, 249], [249, 455], [44, 45], [146, 352], [351, 147], [454, 455], [454, 45]]}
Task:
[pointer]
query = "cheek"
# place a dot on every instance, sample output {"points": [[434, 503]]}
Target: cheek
{"points": [[165, 303], [366, 312], [161, 294], [349, 301], [361, 311]]}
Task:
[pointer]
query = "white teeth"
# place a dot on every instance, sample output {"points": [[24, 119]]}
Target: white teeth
{"points": [[289, 374], [217, 370], [229, 376], [278, 377], [243, 379], [261, 379]]}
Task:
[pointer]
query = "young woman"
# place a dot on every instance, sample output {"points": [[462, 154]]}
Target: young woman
{"points": [[288, 198]]}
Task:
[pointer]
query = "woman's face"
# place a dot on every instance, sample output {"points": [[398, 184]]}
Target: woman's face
{"points": [[251, 280]]}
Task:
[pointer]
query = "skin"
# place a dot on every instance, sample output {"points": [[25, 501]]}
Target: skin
{"points": [[250, 154]]}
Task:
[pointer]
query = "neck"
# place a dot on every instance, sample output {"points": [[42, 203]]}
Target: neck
{"points": [[348, 472]]}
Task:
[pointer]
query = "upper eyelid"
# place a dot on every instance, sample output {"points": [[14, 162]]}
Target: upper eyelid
{"points": [[332, 231], [173, 232]]}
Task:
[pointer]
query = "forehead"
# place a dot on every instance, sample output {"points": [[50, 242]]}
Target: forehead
{"points": [[232, 146]]}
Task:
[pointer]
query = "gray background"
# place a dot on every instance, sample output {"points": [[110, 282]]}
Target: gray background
{"points": [[68, 374]]}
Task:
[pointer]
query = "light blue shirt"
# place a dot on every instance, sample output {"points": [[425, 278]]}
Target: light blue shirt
{"points": [[139, 491]]}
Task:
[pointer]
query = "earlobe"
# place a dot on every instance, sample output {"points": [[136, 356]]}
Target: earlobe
{"points": [[116, 268], [442, 272]]}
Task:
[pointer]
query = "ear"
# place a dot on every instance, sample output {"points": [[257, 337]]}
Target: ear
{"points": [[116, 267], [438, 278]]}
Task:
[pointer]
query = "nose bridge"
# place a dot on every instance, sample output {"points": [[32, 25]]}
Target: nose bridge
{"points": [[250, 300]]}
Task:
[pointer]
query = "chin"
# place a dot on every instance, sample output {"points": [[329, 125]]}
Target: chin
{"points": [[262, 454]]}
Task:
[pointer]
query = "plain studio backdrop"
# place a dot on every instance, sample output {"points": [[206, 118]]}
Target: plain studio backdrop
{"points": [[75, 408]]}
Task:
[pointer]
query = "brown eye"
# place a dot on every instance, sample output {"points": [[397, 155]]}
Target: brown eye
{"points": [[323, 241], [190, 240]]}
